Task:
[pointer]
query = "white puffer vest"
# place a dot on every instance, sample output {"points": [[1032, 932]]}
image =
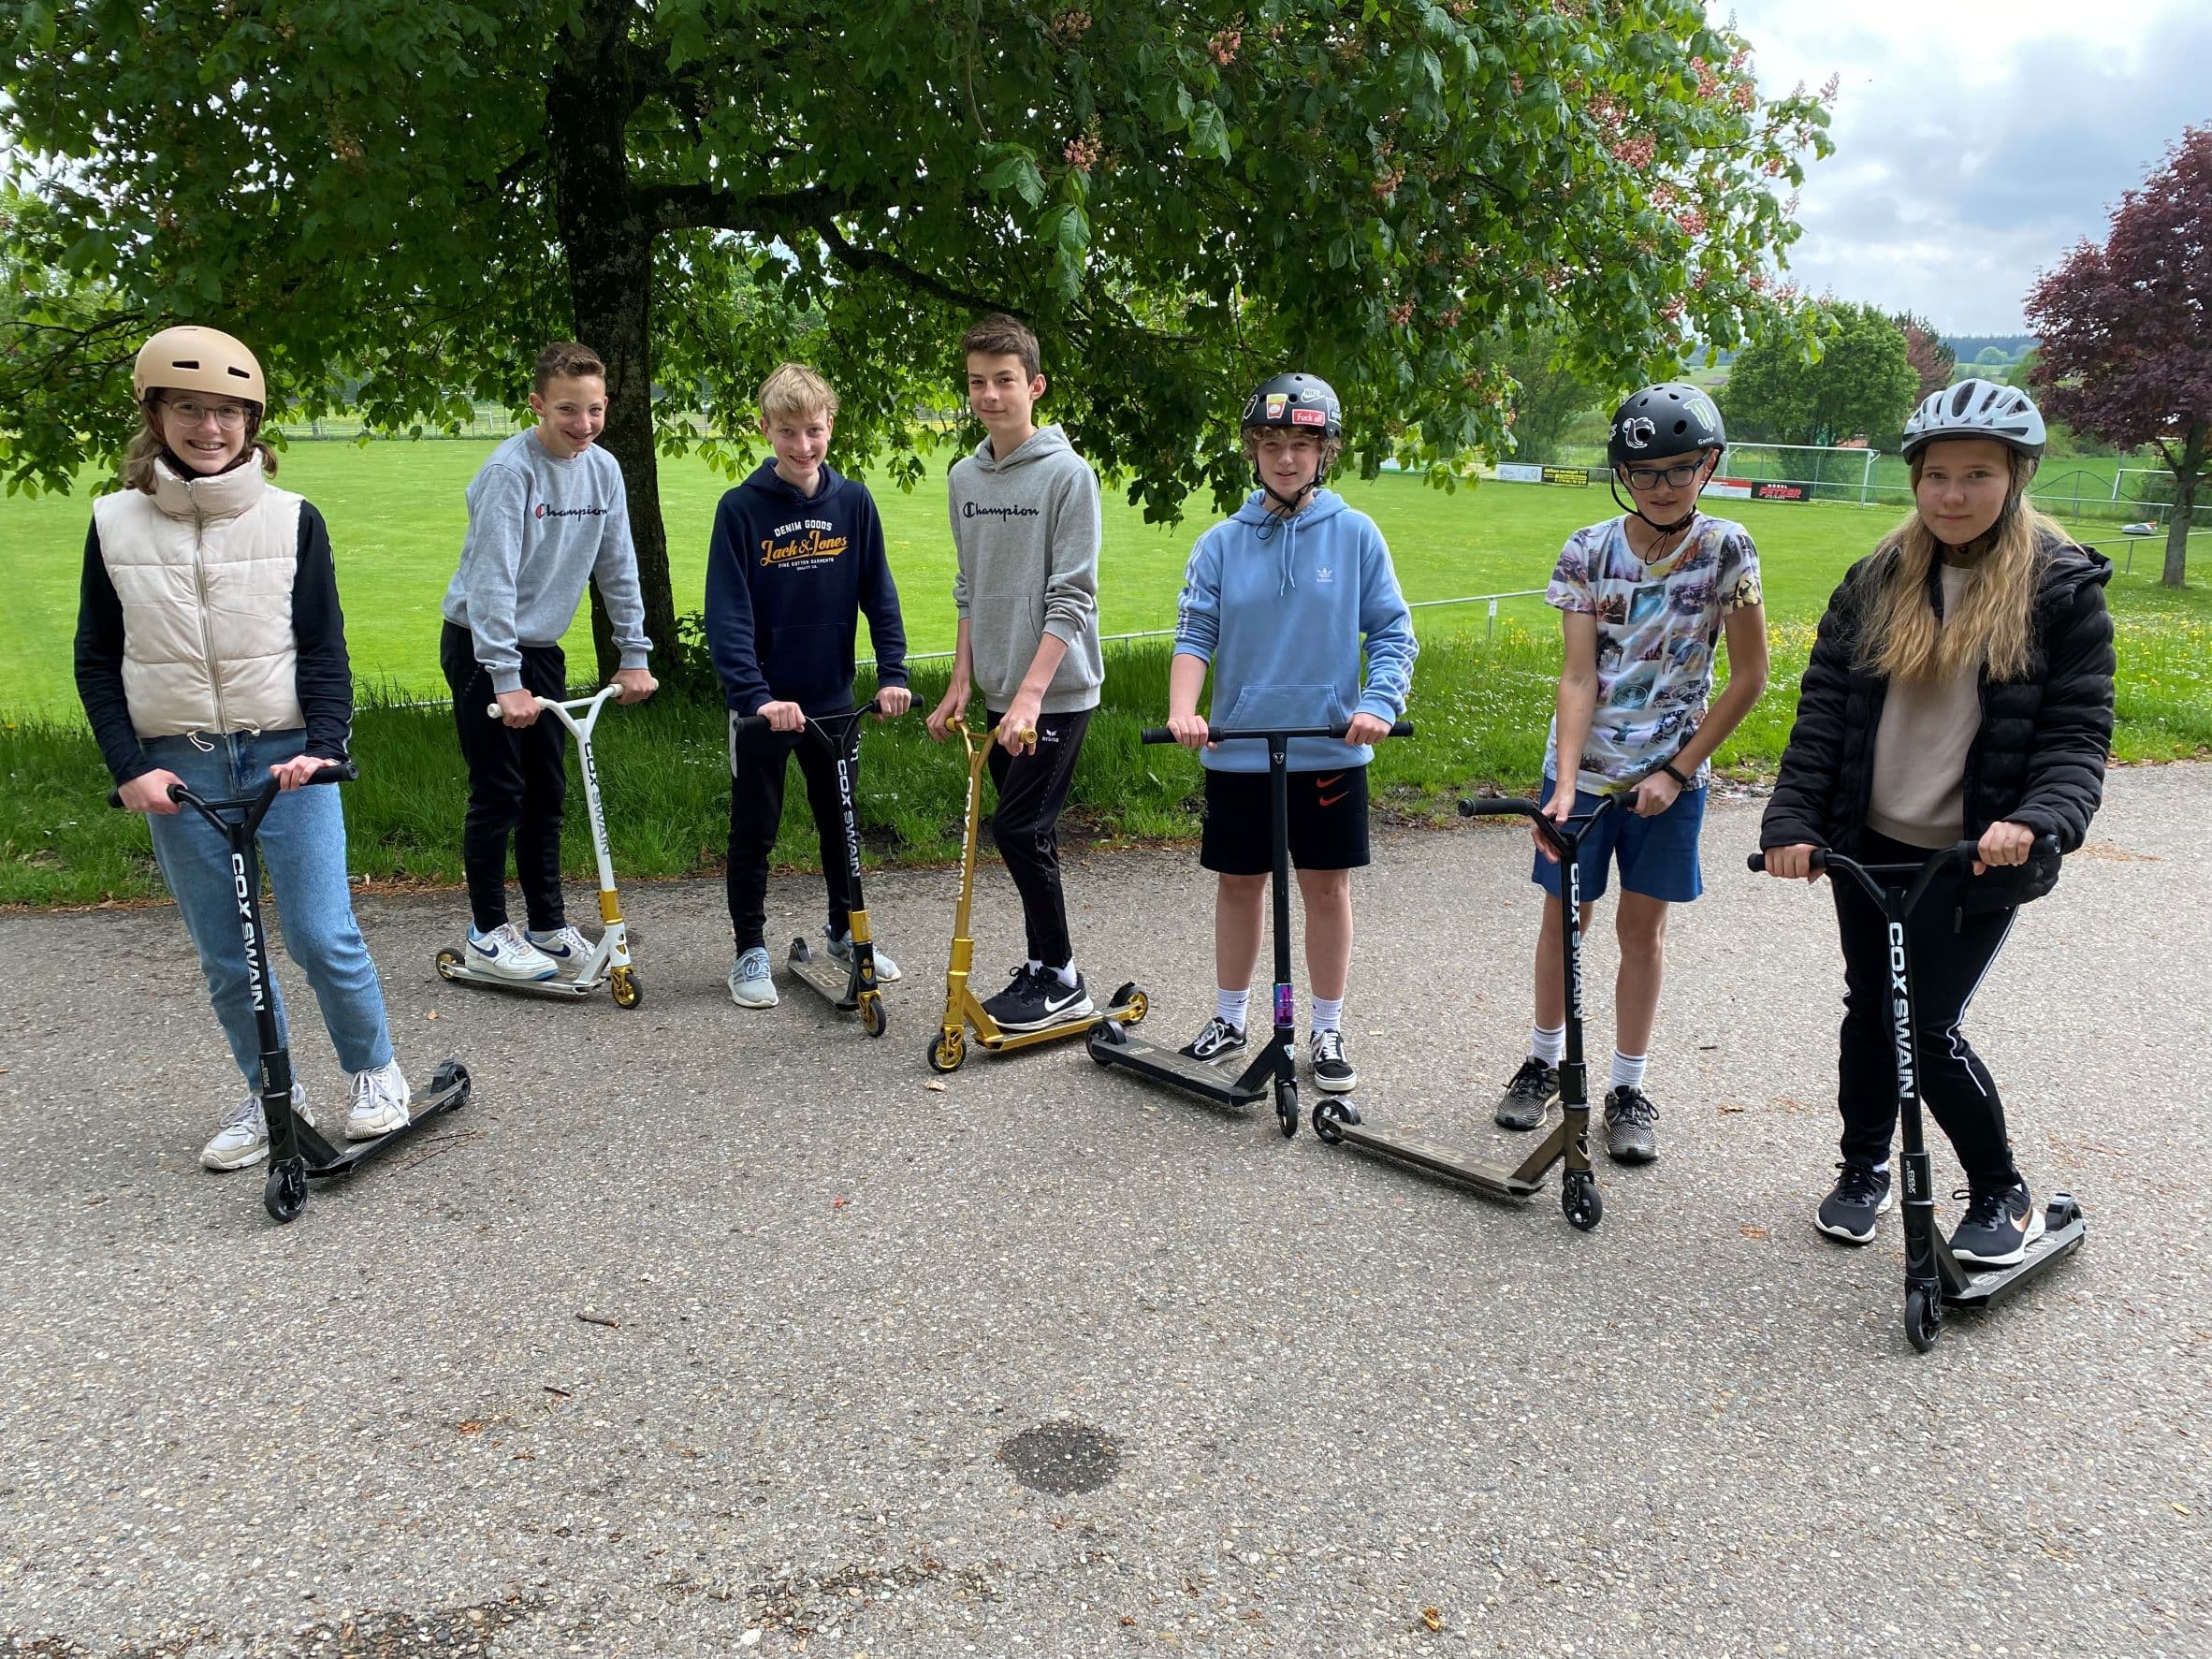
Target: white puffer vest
{"points": [[204, 569]]}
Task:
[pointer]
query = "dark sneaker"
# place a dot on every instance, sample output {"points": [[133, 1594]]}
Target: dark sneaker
{"points": [[1861, 1198], [2001, 1223], [1032, 1001], [1219, 1038], [1522, 1106], [1332, 1073], [1632, 1125]]}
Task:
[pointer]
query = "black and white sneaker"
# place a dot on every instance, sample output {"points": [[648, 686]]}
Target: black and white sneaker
{"points": [[2001, 1221], [1632, 1125], [1861, 1198], [1522, 1104], [1332, 1073], [1032, 1001], [1219, 1038]]}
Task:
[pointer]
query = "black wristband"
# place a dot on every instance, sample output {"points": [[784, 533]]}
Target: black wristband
{"points": [[1667, 767]]}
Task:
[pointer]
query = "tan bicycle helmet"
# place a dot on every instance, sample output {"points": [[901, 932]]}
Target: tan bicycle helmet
{"points": [[189, 358]]}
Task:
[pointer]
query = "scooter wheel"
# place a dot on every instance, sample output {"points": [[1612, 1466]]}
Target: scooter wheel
{"points": [[1581, 1204], [283, 1195], [1924, 1318], [450, 1074], [628, 991], [1329, 1115], [450, 964], [1286, 1109], [946, 1050], [874, 1020], [1129, 1003]]}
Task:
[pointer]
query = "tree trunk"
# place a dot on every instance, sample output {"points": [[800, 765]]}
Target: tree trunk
{"points": [[2185, 498], [609, 244]]}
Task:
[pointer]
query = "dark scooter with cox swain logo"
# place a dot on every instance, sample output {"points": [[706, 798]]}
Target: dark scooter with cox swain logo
{"points": [[296, 1154], [1934, 1278], [1337, 1122]]}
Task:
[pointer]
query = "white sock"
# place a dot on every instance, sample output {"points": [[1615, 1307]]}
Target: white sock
{"points": [[1231, 1007], [1628, 1070], [1035, 965], [1326, 1012], [1548, 1043], [1065, 975]]}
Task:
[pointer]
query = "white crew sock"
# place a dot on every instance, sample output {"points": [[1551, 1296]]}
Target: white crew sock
{"points": [[1548, 1043], [1231, 1007], [1326, 1012], [1628, 1070], [1065, 975]]}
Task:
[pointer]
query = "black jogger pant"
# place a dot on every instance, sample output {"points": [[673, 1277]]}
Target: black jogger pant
{"points": [[1032, 788], [757, 776], [1951, 953], [517, 782]]}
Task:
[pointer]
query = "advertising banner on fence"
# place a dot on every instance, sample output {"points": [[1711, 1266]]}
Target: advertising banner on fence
{"points": [[1779, 492], [1579, 476], [1520, 472], [1735, 490]]}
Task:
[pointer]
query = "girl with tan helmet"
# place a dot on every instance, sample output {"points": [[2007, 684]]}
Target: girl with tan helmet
{"points": [[210, 651]]}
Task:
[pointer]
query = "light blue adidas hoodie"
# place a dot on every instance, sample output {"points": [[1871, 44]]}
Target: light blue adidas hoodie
{"points": [[1279, 606]]}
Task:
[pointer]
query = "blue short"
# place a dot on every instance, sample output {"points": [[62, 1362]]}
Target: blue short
{"points": [[1658, 855]]}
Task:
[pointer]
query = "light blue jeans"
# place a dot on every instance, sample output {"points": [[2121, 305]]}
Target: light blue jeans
{"points": [[303, 852]]}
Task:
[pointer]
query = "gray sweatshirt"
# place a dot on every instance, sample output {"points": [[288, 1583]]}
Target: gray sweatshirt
{"points": [[539, 528], [1026, 530]]}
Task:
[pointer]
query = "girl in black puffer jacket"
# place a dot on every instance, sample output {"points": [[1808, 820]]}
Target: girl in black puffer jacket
{"points": [[1959, 689]]}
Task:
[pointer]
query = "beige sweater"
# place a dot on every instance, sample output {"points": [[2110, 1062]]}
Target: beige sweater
{"points": [[1920, 748]]}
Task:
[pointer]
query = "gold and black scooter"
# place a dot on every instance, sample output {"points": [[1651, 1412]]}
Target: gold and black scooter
{"points": [[848, 985], [964, 1009], [1337, 1120]]}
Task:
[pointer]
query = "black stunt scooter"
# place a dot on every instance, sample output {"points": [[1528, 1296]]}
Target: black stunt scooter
{"points": [[296, 1154], [1336, 1122], [1934, 1278], [1278, 1062], [848, 985]]}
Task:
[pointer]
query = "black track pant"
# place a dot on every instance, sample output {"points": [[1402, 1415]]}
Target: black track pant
{"points": [[517, 782], [1951, 954], [1032, 788], [757, 774]]}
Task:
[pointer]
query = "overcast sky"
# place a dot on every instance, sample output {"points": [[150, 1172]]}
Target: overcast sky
{"points": [[1976, 140]]}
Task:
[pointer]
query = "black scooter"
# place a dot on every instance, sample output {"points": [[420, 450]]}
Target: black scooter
{"points": [[1276, 1064], [848, 985], [296, 1154], [1336, 1122], [1934, 1278]]}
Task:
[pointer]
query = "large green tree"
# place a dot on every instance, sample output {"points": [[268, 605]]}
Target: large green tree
{"points": [[412, 194], [1857, 382], [1549, 390]]}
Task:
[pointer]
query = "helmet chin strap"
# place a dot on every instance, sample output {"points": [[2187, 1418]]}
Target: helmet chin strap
{"points": [[1289, 504]]}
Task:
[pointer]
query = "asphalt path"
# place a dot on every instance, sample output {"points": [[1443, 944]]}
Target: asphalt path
{"points": [[706, 1332]]}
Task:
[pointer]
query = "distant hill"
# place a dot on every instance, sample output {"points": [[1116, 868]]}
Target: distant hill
{"points": [[1970, 346]]}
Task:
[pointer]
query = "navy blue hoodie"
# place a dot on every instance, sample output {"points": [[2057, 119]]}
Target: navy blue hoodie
{"points": [[787, 578]]}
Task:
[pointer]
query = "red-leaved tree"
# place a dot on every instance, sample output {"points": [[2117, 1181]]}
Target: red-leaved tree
{"points": [[2127, 335], [1931, 360]]}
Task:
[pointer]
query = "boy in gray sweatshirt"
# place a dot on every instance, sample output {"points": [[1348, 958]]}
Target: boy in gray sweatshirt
{"points": [[1025, 511], [547, 514]]}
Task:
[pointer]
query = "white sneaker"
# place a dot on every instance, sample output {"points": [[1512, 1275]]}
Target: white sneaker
{"points": [[505, 954], [566, 946], [243, 1137], [840, 948], [750, 983], [380, 1102]]}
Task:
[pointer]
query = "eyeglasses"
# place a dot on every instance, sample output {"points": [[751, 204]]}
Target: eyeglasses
{"points": [[1674, 476], [229, 416]]}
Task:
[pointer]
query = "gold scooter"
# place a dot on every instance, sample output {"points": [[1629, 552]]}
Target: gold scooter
{"points": [[964, 1009]]}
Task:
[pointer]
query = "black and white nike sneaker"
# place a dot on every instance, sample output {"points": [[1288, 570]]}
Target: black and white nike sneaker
{"points": [[1032, 1001], [2001, 1222], [1219, 1038]]}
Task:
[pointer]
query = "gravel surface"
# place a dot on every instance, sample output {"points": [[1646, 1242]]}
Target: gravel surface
{"points": [[708, 1331]]}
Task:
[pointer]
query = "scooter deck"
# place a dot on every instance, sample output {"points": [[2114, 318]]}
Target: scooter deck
{"points": [[2063, 1233], [825, 973], [1436, 1159], [1210, 1079], [558, 990], [448, 1092]]}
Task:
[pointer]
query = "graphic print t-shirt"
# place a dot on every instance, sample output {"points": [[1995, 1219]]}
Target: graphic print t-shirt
{"points": [[1657, 627]]}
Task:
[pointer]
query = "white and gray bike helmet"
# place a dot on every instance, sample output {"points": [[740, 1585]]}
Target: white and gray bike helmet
{"points": [[1977, 409]]}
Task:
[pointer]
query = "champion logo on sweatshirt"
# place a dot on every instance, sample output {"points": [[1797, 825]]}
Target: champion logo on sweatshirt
{"points": [[542, 511], [978, 510]]}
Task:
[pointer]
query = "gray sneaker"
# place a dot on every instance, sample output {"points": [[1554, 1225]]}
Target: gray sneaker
{"points": [[750, 983], [1522, 1104], [1632, 1125], [886, 969], [243, 1138]]}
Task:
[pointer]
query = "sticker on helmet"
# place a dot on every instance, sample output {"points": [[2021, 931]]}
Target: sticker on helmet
{"points": [[1636, 431], [1276, 402], [1309, 418]]}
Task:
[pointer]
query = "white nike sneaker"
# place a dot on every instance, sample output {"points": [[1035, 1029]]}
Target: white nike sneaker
{"points": [[505, 954], [243, 1137], [380, 1102], [567, 946]]}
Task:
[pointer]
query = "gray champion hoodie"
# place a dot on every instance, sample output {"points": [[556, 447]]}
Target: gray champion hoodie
{"points": [[1027, 531]]}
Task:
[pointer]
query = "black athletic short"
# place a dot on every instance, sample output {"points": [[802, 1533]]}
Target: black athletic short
{"points": [[1328, 821]]}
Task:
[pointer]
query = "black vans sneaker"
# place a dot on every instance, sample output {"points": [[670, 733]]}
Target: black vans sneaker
{"points": [[1632, 1125], [1032, 1001], [1332, 1073], [1861, 1197], [1219, 1038], [2001, 1221], [1522, 1106]]}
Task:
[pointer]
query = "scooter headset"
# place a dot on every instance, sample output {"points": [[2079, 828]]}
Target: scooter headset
{"points": [[1658, 424], [1293, 402]]}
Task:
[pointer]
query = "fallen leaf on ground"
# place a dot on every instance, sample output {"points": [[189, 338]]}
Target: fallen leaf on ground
{"points": [[1432, 1618]]}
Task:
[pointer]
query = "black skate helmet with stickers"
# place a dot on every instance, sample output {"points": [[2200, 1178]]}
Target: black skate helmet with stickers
{"points": [[1304, 403], [1671, 418], [1977, 409]]}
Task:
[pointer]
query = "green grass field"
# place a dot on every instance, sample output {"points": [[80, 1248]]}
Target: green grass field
{"points": [[1481, 701]]}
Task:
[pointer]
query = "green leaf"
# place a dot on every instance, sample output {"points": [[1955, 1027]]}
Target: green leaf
{"points": [[1209, 132]]}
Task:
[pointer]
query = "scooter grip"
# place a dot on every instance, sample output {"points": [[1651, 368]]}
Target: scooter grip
{"points": [[1756, 863], [337, 772], [1156, 734], [175, 793]]}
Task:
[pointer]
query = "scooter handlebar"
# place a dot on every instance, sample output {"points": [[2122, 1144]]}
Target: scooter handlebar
{"points": [[1238, 733], [2045, 846], [754, 725], [336, 772]]}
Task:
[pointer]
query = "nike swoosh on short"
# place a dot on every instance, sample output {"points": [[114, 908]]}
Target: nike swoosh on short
{"points": [[1332, 800]]}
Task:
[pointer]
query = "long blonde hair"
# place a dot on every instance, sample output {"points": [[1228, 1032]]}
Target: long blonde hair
{"points": [[1990, 621], [147, 446]]}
